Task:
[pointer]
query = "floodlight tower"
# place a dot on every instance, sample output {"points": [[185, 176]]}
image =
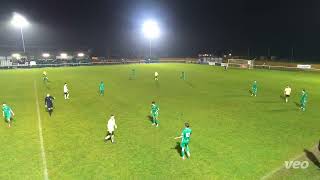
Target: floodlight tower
{"points": [[21, 22], [151, 31]]}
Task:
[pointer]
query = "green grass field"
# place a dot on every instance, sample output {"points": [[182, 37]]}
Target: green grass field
{"points": [[235, 136]]}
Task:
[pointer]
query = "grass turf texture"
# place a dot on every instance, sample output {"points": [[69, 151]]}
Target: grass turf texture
{"points": [[235, 136]]}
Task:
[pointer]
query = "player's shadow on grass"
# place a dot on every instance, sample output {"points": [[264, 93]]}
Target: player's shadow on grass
{"points": [[177, 148], [150, 118], [282, 97], [297, 104], [190, 84], [312, 157]]}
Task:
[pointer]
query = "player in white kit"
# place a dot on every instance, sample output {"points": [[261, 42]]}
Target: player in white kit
{"points": [[111, 126], [287, 92], [66, 91]]}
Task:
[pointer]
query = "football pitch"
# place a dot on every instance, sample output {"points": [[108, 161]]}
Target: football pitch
{"points": [[235, 136]]}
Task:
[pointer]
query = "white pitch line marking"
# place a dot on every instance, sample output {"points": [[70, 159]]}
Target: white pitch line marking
{"points": [[270, 174], [43, 153]]}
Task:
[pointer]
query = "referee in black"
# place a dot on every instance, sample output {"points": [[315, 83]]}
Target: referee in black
{"points": [[48, 103]]}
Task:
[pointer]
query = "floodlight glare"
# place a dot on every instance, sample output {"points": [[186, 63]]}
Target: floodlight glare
{"points": [[150, 29], [64, 55], [19, 21], [45, 55], [80, 54], [16, 55]]}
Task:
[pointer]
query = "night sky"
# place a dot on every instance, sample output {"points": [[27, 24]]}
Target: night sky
{"points": [[113, 27]]}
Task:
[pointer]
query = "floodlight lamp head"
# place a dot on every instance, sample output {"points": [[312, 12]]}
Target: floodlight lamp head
{"points": [[80, 55], [64, 55], [16, 55], [45, 55], [19, 21], [151, 29]]}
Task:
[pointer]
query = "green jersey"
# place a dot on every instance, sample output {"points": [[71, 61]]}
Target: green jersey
{"points": [[154, 109], [101, 86], [7, 110], [304, 97], [186, 133], [254, 86]]}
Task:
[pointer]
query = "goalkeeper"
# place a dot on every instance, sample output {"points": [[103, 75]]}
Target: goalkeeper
{"points": [[156, 76], [45, 76]]}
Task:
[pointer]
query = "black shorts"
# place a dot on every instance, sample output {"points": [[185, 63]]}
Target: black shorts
{"points": [[66, 93], [110, 133], [287, 95]]}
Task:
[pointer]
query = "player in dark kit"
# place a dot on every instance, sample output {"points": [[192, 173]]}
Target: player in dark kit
{"points": [[48, 102]]}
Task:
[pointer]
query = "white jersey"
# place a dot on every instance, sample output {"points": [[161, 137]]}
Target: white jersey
{"points": [[287, 91], [111, 124], [65, 89], [156, 74]]}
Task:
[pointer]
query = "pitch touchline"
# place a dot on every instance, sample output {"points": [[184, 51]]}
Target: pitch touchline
{"points": [[43, 153], [270, 174]]}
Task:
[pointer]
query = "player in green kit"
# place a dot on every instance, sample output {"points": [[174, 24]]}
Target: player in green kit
{"points": [[254, 88], [7, 113], [303, 100], [101, 88], [183, 75], [154, 114], [185, 139]]}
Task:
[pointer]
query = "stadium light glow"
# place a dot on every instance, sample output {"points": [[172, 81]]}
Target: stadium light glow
{"points": [[45, 55], [16, 55], [64, 55], [151, 31], [80, 54], [21, 22]]}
